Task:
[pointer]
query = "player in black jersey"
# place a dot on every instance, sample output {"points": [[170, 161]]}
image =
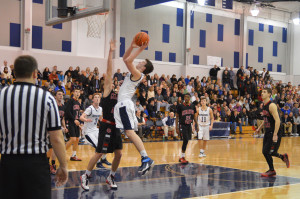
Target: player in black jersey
{"points": [[72, 116], [50, 154], [109, 140], [273, 134], [186, 113]]}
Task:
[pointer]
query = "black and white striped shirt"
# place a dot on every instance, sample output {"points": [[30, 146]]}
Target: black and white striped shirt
{"points": [[26, 114]]}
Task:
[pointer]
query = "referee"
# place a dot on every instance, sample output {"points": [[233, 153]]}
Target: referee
{"points": [[27, 115]]}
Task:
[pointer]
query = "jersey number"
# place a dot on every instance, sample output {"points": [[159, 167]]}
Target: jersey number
{"points": [[96, 120], [203, 119]]}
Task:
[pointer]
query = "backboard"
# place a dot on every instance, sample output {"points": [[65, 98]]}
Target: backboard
{"points": [[76, 9]]}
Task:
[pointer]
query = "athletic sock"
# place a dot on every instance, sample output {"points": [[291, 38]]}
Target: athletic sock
{"points": [[74, 154], [201, 151], [53, 162], [281, 156], [88, 173], [143, 153], [182, 155], [112, 173], [103, 157]]}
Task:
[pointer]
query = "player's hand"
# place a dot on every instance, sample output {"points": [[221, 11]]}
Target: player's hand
{"points": [[133, 44], [112, 44], [61, 176], [89, 120], [275, 138], [210, 128], [77, 122], [66, 130], [144, 45]]}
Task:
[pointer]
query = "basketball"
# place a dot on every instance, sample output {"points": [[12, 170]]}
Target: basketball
{"points": [[141, 38]]}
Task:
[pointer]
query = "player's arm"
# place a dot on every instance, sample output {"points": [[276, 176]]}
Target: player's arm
{"points": [[87, 112], [211, 119], [63, 123], [196, 117], [84, 119], [108, 80], [274, 113], [130, 57], [260, 127], [176, 122]]}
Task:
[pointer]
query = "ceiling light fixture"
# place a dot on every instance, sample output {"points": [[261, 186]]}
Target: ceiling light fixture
{"points": [[296, 18], [254, 11], [201, 2]]}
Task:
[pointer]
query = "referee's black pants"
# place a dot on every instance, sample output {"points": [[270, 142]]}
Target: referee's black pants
{"points": [[25, 176], [269, 145]]}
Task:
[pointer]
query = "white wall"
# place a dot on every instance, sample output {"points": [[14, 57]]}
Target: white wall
{"points": [[295, 59], [92, 52]]}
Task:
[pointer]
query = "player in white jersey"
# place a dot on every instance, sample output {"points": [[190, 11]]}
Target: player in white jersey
{"points": [[205, 121], [90, 117], [124, 112]]}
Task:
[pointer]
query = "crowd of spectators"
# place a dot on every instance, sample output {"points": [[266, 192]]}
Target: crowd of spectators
{"points": [[234, 98]]}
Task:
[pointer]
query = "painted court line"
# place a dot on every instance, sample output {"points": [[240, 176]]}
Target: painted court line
{"points": [[249, 190]]}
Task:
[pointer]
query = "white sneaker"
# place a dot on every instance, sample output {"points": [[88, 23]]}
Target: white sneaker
{"points": [[110, 180], [202, 155], [84, 182]]}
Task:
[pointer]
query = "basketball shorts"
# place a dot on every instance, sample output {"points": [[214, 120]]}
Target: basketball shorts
{"points": [[109, 138], [186, 130], [125, 117], [73, 130], [203, 133], [92, 137]]}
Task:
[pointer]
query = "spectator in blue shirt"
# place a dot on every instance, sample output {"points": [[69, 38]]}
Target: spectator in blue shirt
{"points": [[286, 109]]}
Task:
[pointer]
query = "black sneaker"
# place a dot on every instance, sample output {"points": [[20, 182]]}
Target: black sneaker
{"points": [[146, 165], [100, 165], [104, 161]]}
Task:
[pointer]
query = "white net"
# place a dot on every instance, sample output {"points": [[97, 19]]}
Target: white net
{"points": [[95, 25]]}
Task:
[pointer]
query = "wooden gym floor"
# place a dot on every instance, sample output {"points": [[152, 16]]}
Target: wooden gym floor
{"points": [[230, 170]]}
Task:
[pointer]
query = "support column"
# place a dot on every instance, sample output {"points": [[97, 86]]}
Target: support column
{"points": [[187, 34], [244, 36], [26, 38]]}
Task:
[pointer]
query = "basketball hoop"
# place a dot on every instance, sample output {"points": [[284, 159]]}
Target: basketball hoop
{"points": [[95, 24]]}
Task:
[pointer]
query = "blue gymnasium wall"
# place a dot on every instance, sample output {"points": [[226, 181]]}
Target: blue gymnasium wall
{"points": [[211, 35], [10, 33], [164, 24], [267, 47], [56, 38]]}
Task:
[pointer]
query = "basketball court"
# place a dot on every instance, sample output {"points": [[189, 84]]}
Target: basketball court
{"points": [[231, 170], [232, 167]]}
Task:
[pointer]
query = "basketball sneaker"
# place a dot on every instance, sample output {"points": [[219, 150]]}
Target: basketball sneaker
{"points": [[74, 158], [269, 173], [202, 155], [104, 161], [110, 180], [53, 169], [286, 160], [100, 165], [183, 160], [84, 182], [146, 165]]}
